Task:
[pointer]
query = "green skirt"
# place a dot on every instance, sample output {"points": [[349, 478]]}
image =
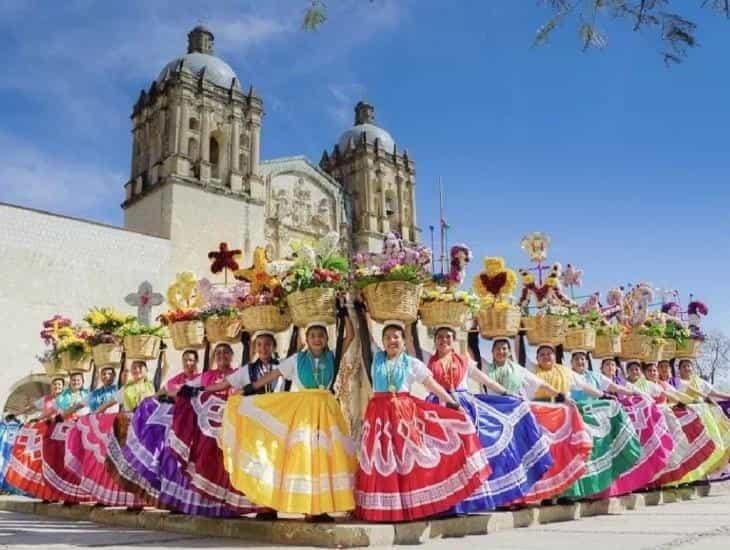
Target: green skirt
{"points": [[616, 447]]}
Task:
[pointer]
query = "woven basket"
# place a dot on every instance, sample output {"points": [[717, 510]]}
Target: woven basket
{"points": [[436, 313], [187, 335], [546, 329], [313, 304], [640, 347], [691, 349], [393, 300], [265, 318], [53, 368], [607, 345], [583, 339], [499, 323], [223, 329], [142, 346], [107, 354], [70, 364], [670, 349]]}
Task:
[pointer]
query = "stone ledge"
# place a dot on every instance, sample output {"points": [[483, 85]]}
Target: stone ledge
{"points": [[355, 534]]}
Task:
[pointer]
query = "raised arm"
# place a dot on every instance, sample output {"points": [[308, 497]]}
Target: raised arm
{"points": [[484, 380], [435, 388]]}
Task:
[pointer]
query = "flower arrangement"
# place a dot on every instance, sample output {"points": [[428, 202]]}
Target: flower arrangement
{"points": [[605, 328], [178, 316], [317, 266], [74, 341], [576, 319], [49, 333], [136, 329], [460, 296], [105, 323], [397, 262]]}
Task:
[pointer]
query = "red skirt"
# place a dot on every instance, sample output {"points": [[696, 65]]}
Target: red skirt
{"points": [[570, 447], [193, 439], [417, 459], [63, 480], [87, 449], [701, 446], [26, 463]]}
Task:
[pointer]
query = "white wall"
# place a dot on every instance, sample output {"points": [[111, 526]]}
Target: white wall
{"points": [[52, 264]]}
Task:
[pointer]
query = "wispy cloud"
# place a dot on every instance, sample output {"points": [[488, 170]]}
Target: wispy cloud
{"points": [[33, 178], [344, 96]]}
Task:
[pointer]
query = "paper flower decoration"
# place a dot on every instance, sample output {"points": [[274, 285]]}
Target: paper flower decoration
{"points": [[224, 258], [536, 246], [257, 274], [184, 293], [496, 282], [572, 276]]}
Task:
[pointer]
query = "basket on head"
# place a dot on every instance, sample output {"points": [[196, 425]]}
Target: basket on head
{"points": [[641, 347], [71, 364], [545, 329], [690, 349], [499, 322], [107, 354], [580, 338], [393, 300], [142, 346], [669, 351], [187, 335], [265, 318], [439, 313], [607, 345], [53, 368], [312, 305], [223, 329]]}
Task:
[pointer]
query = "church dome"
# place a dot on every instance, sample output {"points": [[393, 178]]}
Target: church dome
{"points": [[364, 119], [217, 71], [200, 58], [371, 132]]}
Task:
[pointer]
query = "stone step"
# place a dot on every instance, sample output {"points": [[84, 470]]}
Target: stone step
{"points": [[352, 534]]}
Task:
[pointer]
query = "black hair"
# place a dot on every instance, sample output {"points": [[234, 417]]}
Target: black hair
{"points": [[446, 328], [103, 369], [397, 327], [222, 345], [192, 352], [501, 340], [550, 347], [61, 378], [321, 327]]}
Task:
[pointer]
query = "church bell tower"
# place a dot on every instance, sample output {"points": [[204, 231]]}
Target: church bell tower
{"points": [[380, 179]]}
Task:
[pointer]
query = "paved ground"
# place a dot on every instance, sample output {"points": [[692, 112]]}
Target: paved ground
{"points": [[702, 524]]}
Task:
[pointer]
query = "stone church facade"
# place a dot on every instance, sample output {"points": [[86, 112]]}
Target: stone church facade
{"points": [[196, 179]]}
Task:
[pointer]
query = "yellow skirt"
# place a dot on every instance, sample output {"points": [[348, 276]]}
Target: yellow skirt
{"points": [[290, 451], [718, 429]]}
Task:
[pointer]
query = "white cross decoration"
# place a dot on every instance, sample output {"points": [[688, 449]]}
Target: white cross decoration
{"points": [[144, 299]]}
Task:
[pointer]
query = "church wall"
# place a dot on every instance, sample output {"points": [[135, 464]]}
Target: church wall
{"points": [[53, 264], [151, 216], [201, 220]]}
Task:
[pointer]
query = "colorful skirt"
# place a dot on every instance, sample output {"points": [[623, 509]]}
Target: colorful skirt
{"points": [[291, 452], [417, 459], [136, 464], [616, 447], [719, 458], [570, 447], [193, 441], [514, 445], [25, 469], [723, 474], [9, 434], [86, 452], [657, 445], [692, 446], [64, 481]]}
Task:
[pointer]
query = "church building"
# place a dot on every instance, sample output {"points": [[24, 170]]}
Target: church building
{"points": [[196, 179]]}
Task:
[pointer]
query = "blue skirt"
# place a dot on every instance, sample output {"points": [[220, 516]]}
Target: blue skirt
{"points": [[516, 447], [8, 433]]}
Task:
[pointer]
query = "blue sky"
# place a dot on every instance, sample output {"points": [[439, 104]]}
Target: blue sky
{"points": [[622, 161]]}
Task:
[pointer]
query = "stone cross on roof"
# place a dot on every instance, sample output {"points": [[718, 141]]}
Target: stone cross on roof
{"points": [[145, 299]]}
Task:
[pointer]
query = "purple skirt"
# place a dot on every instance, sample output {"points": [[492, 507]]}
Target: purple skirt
{"points": [[146, 462]]}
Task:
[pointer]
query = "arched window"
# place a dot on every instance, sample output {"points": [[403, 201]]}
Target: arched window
{"points": [[214, 158], [193, 124], [193, 149]]}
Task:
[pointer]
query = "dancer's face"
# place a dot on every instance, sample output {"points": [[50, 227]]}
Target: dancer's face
{"points": [[189, 363], [685, 370], [500, 352], [223, 357], [316, 340], [137, 371], [608, 368], [545, 358], [107, 377], [393, 341], [652, 373], [264, 347], [665, 371], [444, 341], [56, 387], [633, 372], [76, 382], [579, 362]]}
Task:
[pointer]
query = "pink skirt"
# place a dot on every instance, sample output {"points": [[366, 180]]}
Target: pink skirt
{"points": [[86, 452], [66, 482]]}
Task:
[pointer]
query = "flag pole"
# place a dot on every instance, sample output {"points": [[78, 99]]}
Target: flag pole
{"points": [[442, 226]]}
